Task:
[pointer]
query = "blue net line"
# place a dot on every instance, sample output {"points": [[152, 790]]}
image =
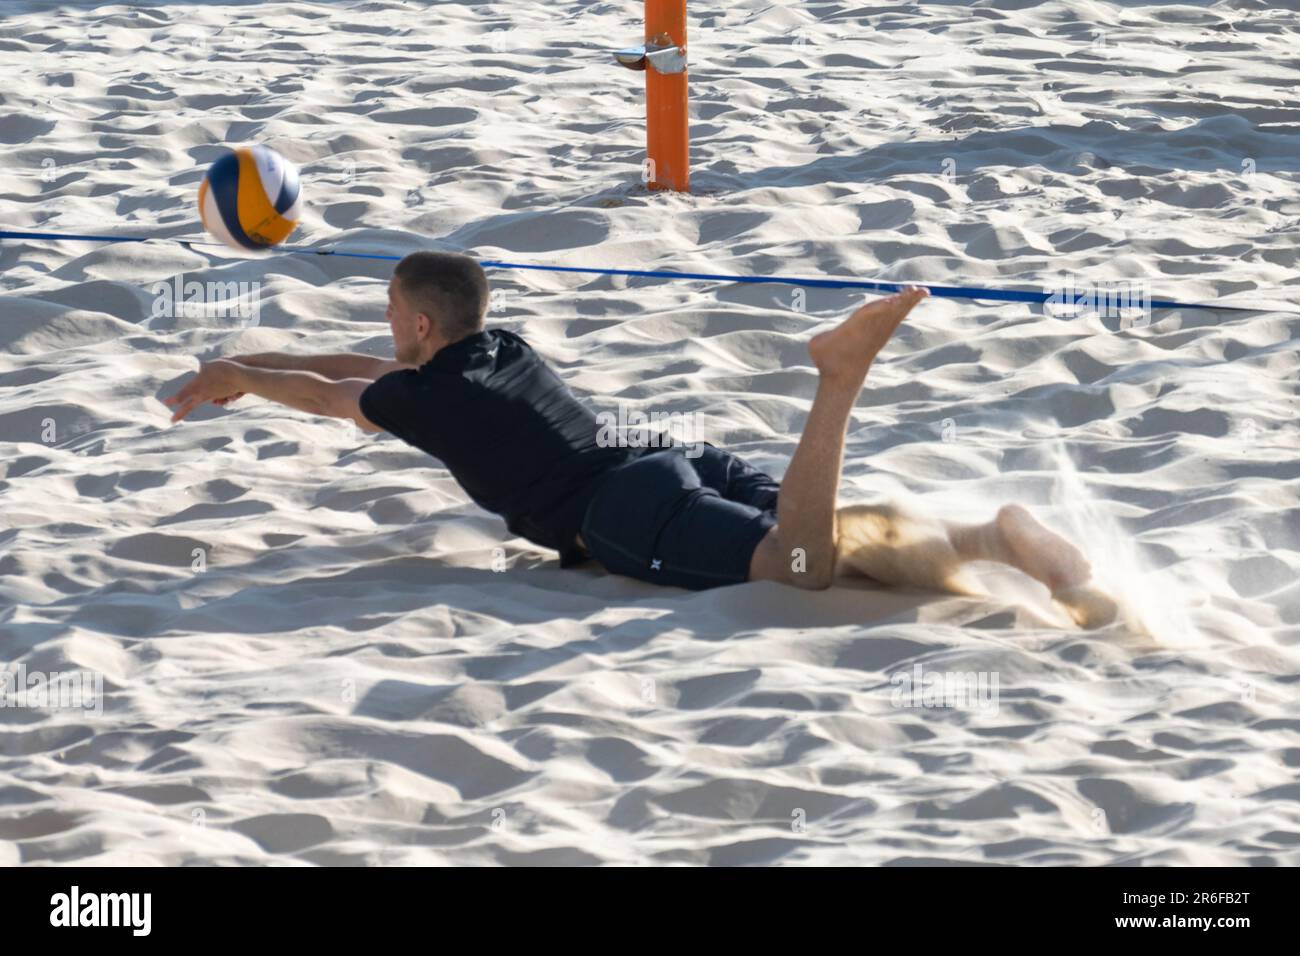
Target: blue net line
{"points": [[945, 291]]}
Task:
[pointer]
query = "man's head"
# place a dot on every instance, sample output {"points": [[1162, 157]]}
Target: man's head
{"points": [[435, 299]]}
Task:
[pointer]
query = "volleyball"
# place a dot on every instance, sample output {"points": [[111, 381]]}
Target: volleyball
{"points": [[251, 198]]}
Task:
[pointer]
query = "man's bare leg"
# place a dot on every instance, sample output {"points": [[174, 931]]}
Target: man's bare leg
{"points": [[884, 542], [800, 550]]}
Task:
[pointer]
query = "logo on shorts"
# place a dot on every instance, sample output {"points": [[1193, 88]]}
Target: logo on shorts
{"points": [[654, 563]]}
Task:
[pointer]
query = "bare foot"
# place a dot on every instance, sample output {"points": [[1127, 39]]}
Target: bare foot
{"points": [[849, 349], [1040, 552], [1090, 606], [1043, 554]]}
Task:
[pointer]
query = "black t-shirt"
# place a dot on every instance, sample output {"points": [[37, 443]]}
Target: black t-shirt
{"points": [[507, 428]]}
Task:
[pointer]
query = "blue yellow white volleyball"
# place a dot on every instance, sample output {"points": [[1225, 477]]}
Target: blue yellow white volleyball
{"points": [[251, 198]]}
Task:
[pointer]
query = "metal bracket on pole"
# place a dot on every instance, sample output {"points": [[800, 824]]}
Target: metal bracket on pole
{"points": [[661, 54]]}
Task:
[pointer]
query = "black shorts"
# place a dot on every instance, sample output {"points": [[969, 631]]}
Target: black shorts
{"points": [[687, 522]]}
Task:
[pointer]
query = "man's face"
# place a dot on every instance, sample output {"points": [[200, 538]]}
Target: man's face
{"points": [[412, 329]]}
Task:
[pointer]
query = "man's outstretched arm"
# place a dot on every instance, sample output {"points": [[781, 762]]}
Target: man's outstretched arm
{"points": [[336, 365], [305, 391]]}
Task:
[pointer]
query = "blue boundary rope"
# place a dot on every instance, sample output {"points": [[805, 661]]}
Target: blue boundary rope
{"points": [[946, 291]]}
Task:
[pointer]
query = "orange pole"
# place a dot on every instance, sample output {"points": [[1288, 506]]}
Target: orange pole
{"points": [[667, 134]]}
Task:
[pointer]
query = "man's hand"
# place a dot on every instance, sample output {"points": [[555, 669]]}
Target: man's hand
{"points": [[219, 381], [225, 380]]}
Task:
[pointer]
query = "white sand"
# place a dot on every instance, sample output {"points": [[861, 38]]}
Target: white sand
{"points": [[349, 681]]}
